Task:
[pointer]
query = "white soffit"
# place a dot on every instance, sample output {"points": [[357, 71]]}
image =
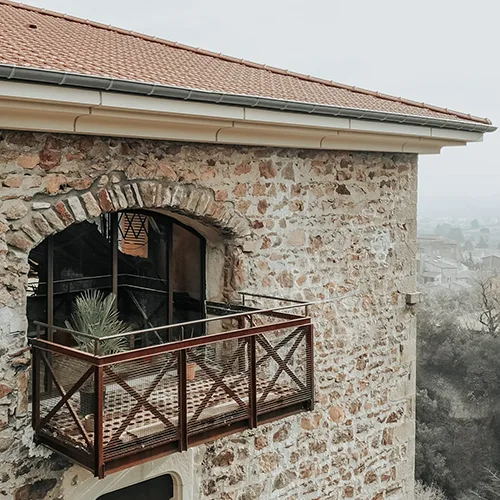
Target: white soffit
{"points": [[25, 106]]}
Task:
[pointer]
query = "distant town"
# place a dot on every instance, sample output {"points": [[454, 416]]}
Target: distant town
{"points": [[455, 252]]}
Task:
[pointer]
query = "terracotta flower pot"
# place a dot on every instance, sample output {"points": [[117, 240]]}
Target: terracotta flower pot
{"points": [[191, 371], [88, 423]]}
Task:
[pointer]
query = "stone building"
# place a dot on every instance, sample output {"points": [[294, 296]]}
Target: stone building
{"points": [[439, 246], [177, 178]]}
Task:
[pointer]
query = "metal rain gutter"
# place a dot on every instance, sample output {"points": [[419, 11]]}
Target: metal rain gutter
{"points": [[53, 77]]}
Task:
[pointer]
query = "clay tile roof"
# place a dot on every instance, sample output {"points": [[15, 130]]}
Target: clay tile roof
{"points": [[35, 38]]}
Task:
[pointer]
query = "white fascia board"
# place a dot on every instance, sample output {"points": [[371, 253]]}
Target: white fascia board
{"points": [[390, 128], [442, 133], [133, 115], [272, 137], [39, 106], [427, 146], [48, 93], [127, 123], [143, 104], [357, 141], [141, 116], [146, 129], [39, 116], [254, 115]]}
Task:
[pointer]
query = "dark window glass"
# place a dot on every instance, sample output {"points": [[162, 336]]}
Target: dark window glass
{"points": [[159, 488], [159, 266], [186, 282], [37, 286], [143, 291], [81, 261]]}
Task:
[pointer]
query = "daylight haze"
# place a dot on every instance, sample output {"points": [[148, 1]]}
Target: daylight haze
{"points": [[437, 52], [168, 248]]}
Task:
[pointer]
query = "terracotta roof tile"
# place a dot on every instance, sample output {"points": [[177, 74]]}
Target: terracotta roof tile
{"points": [[36, 38]]}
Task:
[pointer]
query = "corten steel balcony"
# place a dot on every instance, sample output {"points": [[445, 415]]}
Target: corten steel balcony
{"points": [[110, 412]]}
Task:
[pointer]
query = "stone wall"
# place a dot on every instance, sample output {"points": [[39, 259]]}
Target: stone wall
{"points": [[298, 223]]}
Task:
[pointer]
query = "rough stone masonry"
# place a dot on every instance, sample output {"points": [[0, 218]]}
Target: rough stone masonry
{"points": [[300, 223]]}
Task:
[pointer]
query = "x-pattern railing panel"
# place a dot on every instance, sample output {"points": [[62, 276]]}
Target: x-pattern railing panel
{"points": [[151, 401], [223, 380], [135, 402], [65, 399], [295, 338]]}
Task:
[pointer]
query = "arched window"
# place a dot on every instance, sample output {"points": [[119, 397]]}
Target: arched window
{"points": [[159, 488], [154, 264]]}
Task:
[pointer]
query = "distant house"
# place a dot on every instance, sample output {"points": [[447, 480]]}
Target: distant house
{"points": [[255, 230], [430, 277], [466, 276], [483, 258], [439, 246], [439, 271], [491, 261]]}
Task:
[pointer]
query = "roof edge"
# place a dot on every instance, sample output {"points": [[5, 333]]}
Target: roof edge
{"points": [[244, 62], [68, 79]]}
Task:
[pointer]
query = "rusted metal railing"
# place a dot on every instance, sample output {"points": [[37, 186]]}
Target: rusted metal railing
{"points": [[109, 412]]}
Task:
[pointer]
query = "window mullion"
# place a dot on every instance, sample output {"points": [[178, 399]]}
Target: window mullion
{"points": [[50, 285], [170, 297], [114, 255]]}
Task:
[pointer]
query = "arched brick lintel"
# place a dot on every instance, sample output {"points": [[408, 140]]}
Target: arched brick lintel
{"points": [[49, 216]]}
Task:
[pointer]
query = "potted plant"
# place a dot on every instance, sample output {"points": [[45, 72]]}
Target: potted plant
{"points": [[191, 371], [95, 313], [191, 366]]}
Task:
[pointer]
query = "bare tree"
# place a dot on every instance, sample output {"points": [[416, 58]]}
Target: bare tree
{"points": [[490, 305], [489, 490], [424, 492]]}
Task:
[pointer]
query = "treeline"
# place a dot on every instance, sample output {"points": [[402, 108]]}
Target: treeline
{"points": [[458, 390]]}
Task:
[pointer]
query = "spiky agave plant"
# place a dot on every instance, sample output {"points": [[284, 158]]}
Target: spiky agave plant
{"points": [[95, 313]]}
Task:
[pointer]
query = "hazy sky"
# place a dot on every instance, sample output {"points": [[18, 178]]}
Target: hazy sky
{"points": [[443, 52]]}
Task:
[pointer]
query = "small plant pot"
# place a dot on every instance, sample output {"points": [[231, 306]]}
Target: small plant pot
{"points": [[191, 371], [87, 401], [88, 423]]}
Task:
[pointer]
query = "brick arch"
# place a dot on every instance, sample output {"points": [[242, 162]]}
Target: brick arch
{"points": [[52, 215]]}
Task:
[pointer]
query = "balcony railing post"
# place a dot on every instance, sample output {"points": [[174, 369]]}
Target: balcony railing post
{"points": [[98, 421], [242, 362], [35, 415], [310, 364], [183, 437], [252, 399]]}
